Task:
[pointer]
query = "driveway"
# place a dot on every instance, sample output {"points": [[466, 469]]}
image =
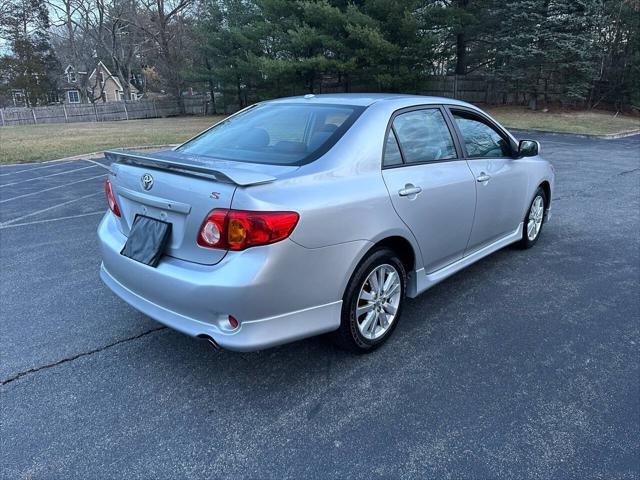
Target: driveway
{"points": [[524, 365]]}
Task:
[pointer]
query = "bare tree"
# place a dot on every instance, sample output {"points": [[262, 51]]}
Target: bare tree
{"points": [[163, 24], [107, 30], [72, 42]]}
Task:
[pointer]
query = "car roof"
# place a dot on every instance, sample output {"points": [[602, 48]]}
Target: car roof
{"points": [[367, 99]]}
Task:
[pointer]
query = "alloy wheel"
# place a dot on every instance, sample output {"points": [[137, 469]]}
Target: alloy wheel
{"points": [[536, 214], [378, 302]]}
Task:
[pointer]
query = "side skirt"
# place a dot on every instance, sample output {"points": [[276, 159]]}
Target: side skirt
{"points": [[419, 281]]}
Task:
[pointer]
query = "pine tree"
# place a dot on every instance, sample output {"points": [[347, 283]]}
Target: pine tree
{"points": [[229, 43], [574, 51], [543, 46], [31, 65]]}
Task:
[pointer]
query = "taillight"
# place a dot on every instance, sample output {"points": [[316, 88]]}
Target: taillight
{"points": [[210, 234], [240, 229], [111, 199]]}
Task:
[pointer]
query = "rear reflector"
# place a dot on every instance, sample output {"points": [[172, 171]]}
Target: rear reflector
{"points": [[111, 199], [240, 229]]}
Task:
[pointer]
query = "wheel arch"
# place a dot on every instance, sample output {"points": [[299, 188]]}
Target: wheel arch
{"points": [[402, 247], [546, 187], [396, 240]]}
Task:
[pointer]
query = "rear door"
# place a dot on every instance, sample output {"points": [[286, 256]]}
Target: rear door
{"points": [[501, 181], [431, 187]]}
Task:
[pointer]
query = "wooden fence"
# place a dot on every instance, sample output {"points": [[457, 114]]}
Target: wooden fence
{"points": [[470, 88], [484, 90], [103, 112]]}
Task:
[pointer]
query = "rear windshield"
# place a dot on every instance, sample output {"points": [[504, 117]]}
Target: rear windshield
{"points": [[276, 134]]}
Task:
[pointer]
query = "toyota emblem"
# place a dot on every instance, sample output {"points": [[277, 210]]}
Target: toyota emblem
{"points": [[147, 181]]}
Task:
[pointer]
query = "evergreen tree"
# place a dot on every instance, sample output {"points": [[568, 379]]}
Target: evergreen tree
{"points": [[228, 43], [617, 61], [576, 51], [542, 44], [31, 65]]}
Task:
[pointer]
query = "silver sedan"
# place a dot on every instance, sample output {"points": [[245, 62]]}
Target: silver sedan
{"points": [[316, 214]]}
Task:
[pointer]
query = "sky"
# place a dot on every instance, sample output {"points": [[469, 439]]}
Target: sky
{"points": [[4, 47]]}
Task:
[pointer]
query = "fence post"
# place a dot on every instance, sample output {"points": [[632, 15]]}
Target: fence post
{"points": [[2, 115], [66, 118], [155, 109], [126, 113], [33, 113], [95, 111]]}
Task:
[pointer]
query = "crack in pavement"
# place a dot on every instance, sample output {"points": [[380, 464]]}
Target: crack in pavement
{"points": [[79, 355], [583, 190]]}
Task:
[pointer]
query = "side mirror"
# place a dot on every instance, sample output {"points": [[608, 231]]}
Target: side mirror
{"points": [[528, 148]]}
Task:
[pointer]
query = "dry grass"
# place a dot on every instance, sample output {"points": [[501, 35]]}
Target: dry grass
{"points": [[581, 122], [31, 143]]}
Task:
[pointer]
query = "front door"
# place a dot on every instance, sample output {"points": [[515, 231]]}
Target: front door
{"points": [[501, 182], [431, 188]]}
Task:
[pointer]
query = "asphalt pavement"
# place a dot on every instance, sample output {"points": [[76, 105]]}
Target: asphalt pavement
{"points": [[525, 365]]}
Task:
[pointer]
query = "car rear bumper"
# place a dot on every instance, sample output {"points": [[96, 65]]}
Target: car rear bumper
{"points": [[250, 335], [279, 293]]}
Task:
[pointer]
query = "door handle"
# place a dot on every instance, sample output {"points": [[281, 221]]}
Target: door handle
{"points": [[483, 177], [409, 190]]}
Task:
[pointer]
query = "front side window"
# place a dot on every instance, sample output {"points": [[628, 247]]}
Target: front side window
{"points": [[73, 96], [423, 136], [277, 134], [481, 140]]}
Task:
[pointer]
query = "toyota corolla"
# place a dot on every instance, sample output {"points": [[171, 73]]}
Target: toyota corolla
{"points": [[316, 214]]}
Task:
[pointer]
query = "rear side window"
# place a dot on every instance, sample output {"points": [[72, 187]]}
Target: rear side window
{"points": [[423, 136], [277, 134], [481, 140], [392, 155]]}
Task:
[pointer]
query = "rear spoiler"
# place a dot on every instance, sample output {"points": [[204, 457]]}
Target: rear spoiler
{"points": [[237, 176]]}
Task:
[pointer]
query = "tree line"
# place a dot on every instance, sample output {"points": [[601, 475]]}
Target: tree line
{"points": [[583, 53]]}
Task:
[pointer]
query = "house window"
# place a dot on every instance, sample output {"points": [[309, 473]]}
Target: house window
{"points": [[72, 77], [73, 96], [19, 99], [133, 96], [121, 94]]}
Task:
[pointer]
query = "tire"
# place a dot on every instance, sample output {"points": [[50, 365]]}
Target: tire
{"points": [[365, 331], [534, 220]]}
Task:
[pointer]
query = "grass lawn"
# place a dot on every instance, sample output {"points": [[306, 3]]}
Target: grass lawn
{"points": [[585, 122], [31, 143]]}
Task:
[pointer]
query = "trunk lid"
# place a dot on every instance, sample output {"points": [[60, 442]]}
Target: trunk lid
{"points": [[182, 191]]}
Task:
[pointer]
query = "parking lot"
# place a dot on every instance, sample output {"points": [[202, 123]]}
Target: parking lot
{"points": [[525, 365]]}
